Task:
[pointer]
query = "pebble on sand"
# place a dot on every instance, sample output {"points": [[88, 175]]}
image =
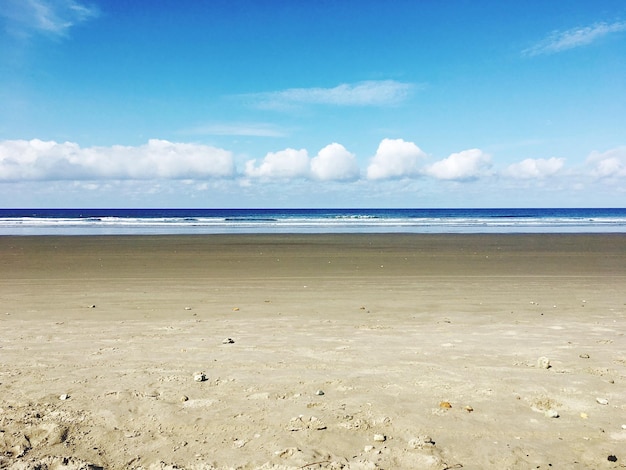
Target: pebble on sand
{"points": [[228, 341], [543, 363], [65, 396], [380, 437], [552, 414], [319, 392], [602, 401], [445, 405], [199, 376], [421, 442], [239, 443]]}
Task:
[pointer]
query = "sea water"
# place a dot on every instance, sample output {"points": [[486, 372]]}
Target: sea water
{"points": [[233, 221]]}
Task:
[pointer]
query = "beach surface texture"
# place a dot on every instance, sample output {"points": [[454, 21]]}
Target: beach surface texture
{"points": [[313, 351]]}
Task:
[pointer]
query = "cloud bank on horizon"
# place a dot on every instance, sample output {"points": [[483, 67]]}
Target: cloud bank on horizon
{"points": [[280, 101], [37, 160]]}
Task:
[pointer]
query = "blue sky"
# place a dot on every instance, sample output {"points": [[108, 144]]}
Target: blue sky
{"points": [[351, 103]]}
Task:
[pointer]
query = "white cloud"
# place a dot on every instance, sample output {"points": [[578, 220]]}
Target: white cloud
{"points": [[334, 162], [54, 17], [559, 41], [39, 160], [241, 129], [609, 164], [367, 93], [395, 158], [465, 165], [534, 168], [201, 166], [288, 163]]}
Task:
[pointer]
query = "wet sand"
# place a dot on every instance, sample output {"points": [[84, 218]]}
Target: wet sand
{"points": [[347, 351]]}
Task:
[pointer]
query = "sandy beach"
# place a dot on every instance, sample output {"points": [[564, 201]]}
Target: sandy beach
{"points": [[313, 351]]}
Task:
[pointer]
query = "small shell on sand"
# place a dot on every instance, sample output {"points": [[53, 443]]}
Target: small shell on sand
{"points": [[319, 392], [286, 453], [184, 398], [300, 423], [228, 341], [380, 437], [468, 408], [445, 405], [65, 396], [543, 363], [602, 401], [199, 376]]}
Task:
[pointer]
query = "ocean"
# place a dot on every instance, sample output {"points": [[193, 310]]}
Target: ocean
{"points": [[233, 221]]}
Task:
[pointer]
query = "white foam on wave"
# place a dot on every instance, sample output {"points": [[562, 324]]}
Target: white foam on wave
{"points": [[314, 223]]}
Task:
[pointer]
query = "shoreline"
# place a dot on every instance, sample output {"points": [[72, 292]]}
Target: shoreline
{"points": [[241, 221], [390, 327]]}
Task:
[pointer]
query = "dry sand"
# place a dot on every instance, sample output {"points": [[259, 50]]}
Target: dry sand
{"points": [[347, 351]]}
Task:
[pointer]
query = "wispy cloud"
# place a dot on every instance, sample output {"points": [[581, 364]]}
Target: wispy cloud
{"points": [[54, 17], [559, 41], [237, 129], [367, 93]]}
